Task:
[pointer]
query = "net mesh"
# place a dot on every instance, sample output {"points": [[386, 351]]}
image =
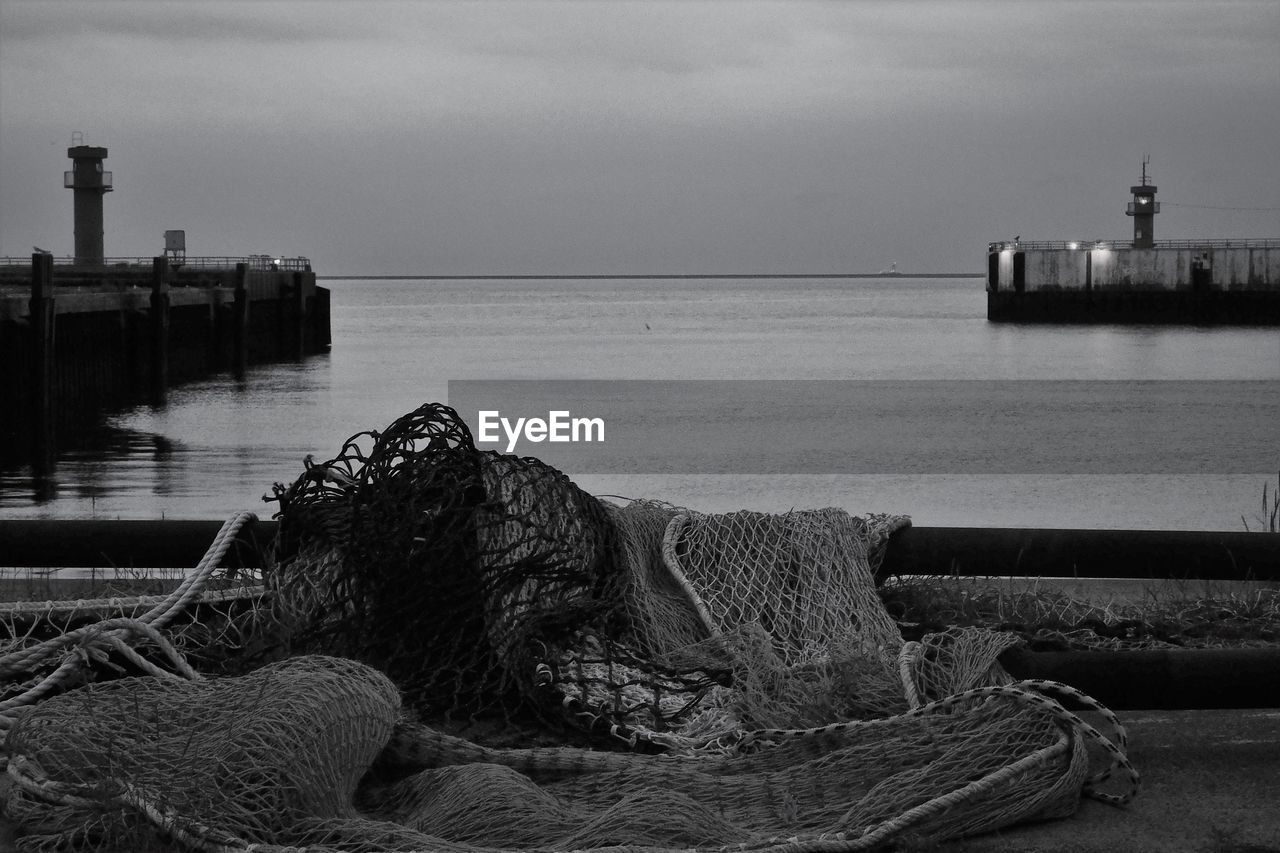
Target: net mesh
{"points": [[637, 675], [442, 565]]}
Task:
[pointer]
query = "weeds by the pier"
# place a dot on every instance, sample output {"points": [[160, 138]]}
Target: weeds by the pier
{"points": [[39, 584], [1188, 614], [1172, 613], [1268, 520], [43, 584]]}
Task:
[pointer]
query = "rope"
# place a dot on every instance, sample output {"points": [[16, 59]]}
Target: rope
{"points": [[671, 559], [974, 790], [1029, 692], [907, 657], [1116, 749], [92, 642], [191, 587], [26, 659]]}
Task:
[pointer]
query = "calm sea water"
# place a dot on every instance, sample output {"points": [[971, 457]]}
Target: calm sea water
{"points": [[218, 445]]}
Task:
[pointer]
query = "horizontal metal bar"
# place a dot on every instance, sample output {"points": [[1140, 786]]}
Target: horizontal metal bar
{"points": [[1159, 679], [1030, 552], [994, 551], [54, 543], [1163, 679]]}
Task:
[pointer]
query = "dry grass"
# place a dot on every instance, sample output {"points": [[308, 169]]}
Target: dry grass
{"points": [[1268, 519], [1158, 614], [1190, 614], [56, 585], [32, 584]]}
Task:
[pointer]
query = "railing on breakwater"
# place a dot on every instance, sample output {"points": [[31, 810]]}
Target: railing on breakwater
{"points": [[254, 262], [1127, 243]]}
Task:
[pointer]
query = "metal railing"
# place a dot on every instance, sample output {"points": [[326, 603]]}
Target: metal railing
{"points": [[255, 262], [1127, 243]]}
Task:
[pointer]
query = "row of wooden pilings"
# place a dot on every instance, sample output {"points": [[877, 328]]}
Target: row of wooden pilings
{"points": [[42, 325], [1117, 305], [113, 342]]}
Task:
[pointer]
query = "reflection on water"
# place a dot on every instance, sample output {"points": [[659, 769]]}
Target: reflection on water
{"points": [[218, 445], [106, 458], [200, 455]]}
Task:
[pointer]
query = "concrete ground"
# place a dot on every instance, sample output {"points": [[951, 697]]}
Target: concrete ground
{"points": [[1210, 784]]}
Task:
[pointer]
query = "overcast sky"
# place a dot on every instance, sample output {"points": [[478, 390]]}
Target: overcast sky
{"points": [[649, 137]]}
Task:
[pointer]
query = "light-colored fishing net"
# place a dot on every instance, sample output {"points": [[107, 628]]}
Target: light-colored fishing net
{"points": [[208, 621], [225, 761], [282, 756], [719, 681]]}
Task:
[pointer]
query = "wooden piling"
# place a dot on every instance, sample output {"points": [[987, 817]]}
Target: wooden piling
{"points": [[213, 328], [297, 314], [42, 362], [322, 336], [240, 323], [159, 329]]}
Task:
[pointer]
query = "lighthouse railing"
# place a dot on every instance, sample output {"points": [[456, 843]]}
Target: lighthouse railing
{"points": [[255, 262], [1127, 242]]}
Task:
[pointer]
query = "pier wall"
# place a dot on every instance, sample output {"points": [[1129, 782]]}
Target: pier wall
{"points": [[85, 340], [1103, 281]]}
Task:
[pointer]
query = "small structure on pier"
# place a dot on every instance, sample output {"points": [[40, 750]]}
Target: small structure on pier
{"points": [[1231, 282], [175, 247]]}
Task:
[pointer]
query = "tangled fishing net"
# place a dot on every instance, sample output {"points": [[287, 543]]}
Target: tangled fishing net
{"points": [[633, 675]]}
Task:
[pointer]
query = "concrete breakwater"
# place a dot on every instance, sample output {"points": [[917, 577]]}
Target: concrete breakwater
{"points": [[76, 339], [1230, 282]]}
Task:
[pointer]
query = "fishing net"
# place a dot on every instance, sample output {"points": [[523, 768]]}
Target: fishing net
{"points": [[309, 752], [223, 764], [446, 567], [683, 679]]}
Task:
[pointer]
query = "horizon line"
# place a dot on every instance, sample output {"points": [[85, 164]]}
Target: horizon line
{"points": [[526, 277]]}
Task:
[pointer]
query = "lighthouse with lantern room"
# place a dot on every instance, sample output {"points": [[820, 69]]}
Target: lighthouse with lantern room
{"points": [[1143, 209], [88, 183]]}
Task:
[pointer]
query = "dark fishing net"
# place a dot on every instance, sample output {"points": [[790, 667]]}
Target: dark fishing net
{"points": [[490, 584], [450, 569]]}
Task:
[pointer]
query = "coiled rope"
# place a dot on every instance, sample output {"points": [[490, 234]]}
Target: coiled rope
{"points": [[80, 648]]}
